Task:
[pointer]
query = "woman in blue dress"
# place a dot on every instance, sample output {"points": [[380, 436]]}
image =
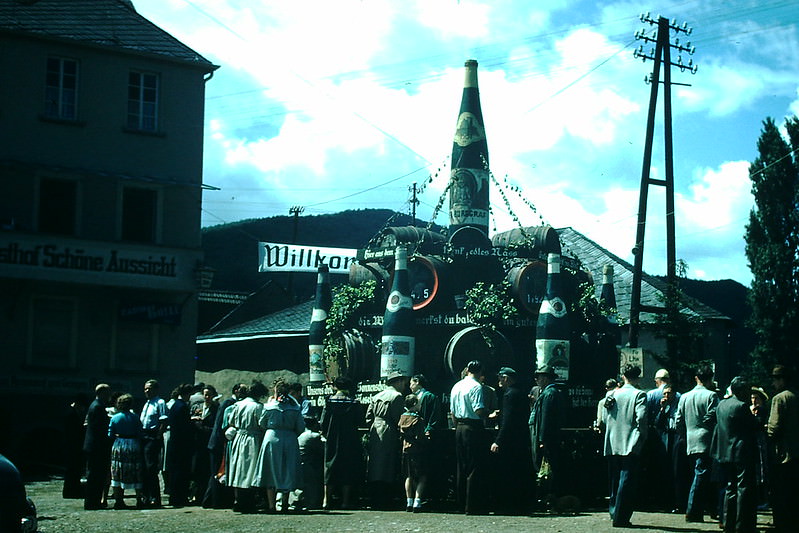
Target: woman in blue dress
{"points": [[279, 461], [126, 455]]}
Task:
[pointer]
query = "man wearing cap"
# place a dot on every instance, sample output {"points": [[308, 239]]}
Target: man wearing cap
{"points": [[512, 444], [696, 418], [545, 422], [468, 412], [783, 432], [382, 417], [626, 426]]}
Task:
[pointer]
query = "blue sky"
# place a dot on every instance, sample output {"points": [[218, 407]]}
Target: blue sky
{"points": [[343, 105]]}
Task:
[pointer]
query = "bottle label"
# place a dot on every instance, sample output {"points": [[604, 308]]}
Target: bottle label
{"points": [[468, 197], [318, 315], [397, 301], [468, 130], [554, 307], [397, 355], [316, 363], [555, 353]]}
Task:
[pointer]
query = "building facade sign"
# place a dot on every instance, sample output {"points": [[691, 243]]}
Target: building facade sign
{"points": [[73, 260]]}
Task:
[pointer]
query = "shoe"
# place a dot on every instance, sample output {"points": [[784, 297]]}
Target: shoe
{"points": [[409, 509], [694, 519], [622, 524], [120, 505], [417, 509]]}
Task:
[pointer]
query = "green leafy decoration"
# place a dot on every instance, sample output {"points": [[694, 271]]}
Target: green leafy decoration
{"points": [[348, 304]]}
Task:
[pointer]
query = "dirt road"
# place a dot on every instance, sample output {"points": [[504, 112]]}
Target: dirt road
{"points": [[67, 516]]}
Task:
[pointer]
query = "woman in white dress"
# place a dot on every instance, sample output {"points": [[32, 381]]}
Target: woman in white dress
{"points": [[245, 446], [279, 460]]}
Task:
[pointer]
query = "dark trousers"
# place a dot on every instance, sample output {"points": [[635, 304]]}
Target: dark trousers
{"points": [[152, 456], [513, 484], [623, 476], [784, 496], [740, 498], [98, 470], [699, 495], [471, 455]]}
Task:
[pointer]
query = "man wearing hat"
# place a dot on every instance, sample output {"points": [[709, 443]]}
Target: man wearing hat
{"points": [[382, 417], [626, 426], [512, 444], [468, 412], [783, 432], [546, 420]]}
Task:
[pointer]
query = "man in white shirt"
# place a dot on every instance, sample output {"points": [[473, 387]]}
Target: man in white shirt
{"points": [[153, 419], [468, 412]]}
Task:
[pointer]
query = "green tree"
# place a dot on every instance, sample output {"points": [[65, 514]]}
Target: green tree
{"points": [[772, 245]]}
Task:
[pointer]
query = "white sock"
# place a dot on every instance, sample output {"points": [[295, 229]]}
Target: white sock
{"points": [[410, 501], [417, 502]]}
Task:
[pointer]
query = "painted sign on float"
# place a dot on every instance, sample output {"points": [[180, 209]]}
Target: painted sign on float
{"points": [[274, 257]]}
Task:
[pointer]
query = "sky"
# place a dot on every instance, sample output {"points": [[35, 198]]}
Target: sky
{"points": [[345, 104]]}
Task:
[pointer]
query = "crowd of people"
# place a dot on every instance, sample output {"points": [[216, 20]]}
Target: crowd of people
{"points": [[715, 453], [711, 453]]}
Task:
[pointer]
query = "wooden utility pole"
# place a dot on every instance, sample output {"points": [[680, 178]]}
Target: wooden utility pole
{"points": [[414, 202], [295, 210], [661, 55]]}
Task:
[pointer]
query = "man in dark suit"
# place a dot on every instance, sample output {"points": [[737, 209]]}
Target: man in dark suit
{"points": [[216, 495], [97, 447], [546, 420], [512, 445], [734, 446], [625, 420]]}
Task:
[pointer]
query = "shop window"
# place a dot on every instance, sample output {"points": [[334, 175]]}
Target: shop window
{"points": [[139, 214], [58, 206], [61, 89], [53, 332], [143, 101]]}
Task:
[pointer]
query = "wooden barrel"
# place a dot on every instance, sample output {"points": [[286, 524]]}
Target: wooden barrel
{"points": [[528, 284], [430, 282], [421, 241], [360, 272], [362, 361], [469, 344], [541, 239]]}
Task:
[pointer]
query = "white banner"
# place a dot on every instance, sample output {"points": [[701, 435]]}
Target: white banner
{"points": [[274, 257]]}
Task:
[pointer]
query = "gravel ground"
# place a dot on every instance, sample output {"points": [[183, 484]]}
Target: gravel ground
{"points": [[67, 516]]}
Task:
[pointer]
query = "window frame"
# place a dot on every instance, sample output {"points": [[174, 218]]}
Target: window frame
{"points": [[157, 214], [137, 112], [56, 109]]}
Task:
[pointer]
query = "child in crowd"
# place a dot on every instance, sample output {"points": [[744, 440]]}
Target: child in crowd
{"points": [[414, 453]]}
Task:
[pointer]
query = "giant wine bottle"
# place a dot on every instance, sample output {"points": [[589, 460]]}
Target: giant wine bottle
{"points": [[316, 332], [607, 301], [552, 331], [398, 343], [468, 194]]}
